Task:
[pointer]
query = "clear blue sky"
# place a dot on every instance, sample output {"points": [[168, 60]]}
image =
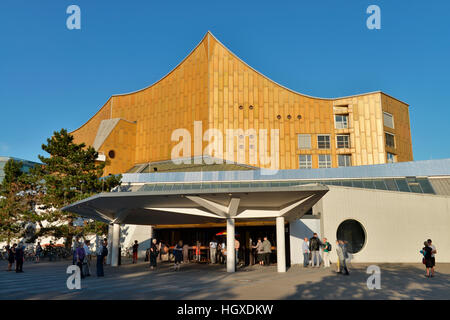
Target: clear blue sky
{"points": [[53, 78]]}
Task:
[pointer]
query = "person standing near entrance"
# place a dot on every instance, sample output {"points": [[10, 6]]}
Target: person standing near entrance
{"points": [[135, 251], [259, 252], [19, 255], [314, 247], [153, 254], [267, 249], [186, 253], [213, 250], [178, 254], [326, 253], [197, 251], [102, 252], [305, 251], [236, 248]]}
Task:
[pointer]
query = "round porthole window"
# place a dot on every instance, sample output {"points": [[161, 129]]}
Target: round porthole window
{"points": [[241, 107], [111, 154], [278, 117], [353, 232]]}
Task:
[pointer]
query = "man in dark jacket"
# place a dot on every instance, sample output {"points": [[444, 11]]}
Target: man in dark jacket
{"points": [[19, 257], [314, 247]]}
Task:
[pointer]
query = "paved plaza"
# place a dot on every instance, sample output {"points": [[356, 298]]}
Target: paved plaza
{"points": [[47, 280]]}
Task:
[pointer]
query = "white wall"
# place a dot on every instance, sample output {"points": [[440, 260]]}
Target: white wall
{"points": [[299, 229], [396, 223], [131, 232]]}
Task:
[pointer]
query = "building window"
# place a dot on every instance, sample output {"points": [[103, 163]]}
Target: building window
{"points": [[343, 141], [388, 120], [390, 139], [324, 161], [341, 121], [344, 160], [305, 161], [304, 141], [323, 141], [352, 232], [390, 157]]}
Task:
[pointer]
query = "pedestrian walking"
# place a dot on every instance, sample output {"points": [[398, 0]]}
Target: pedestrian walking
{"points": [[326, 253], [154, 251], [314, 247], [11, 255], [427, 252], [213, 250], [19, 256], [178, 254], [267, 249], [305, 251], [135, 251]]}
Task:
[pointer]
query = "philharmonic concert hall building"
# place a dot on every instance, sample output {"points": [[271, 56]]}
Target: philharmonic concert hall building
{"points": [[215, 145]]}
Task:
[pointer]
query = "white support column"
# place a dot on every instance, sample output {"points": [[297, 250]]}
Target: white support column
{"points": [[110, 241], [231, 254], [281, 246], [115, 245]]}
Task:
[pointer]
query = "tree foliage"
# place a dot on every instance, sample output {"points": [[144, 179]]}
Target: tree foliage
{"points": [[68, 174], [16, 201]]}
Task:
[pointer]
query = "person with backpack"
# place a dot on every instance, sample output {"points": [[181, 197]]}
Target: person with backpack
{"points": [[314, 247], [427, 252], [326, 253]]}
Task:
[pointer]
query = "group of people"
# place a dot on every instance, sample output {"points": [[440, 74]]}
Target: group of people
{"points": [[429, 260], [16, 254], [263, 251], [311, 253], [82, 256]]}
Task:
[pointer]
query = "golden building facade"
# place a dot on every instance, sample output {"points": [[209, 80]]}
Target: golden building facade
{"points": [[214, 87]]}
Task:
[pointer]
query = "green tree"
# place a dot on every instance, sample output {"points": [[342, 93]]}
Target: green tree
{"points": [[70, 173], [16, 202]]}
